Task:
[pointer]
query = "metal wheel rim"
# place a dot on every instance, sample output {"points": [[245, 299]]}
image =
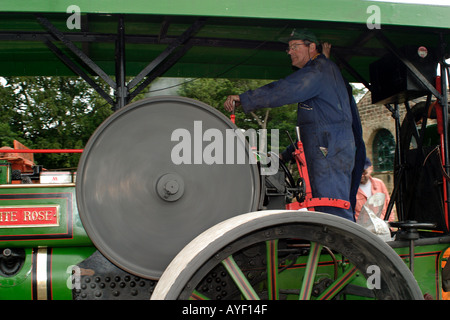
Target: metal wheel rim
{"points": [[182, 274]]}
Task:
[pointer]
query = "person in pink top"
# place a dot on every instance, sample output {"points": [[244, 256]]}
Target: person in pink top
{"points": [[368, 187]]}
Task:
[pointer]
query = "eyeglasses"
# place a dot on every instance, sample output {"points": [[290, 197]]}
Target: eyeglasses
{"points": [[294, 46]]}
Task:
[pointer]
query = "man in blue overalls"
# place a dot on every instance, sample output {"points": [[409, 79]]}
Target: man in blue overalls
{"points": [[329, 122]]}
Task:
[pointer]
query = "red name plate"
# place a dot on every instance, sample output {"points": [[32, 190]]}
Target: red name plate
{"points": [[36, 216]]}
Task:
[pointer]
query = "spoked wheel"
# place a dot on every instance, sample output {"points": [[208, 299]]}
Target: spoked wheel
{"points": [[419, 173], [287, 255]]}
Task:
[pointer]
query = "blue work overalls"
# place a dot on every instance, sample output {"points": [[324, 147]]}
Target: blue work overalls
{"points": [[330, 128]]}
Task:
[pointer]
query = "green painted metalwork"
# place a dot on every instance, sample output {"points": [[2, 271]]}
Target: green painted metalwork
{"points": [[427, 272], [198, 296], [68, 232], [393, 12], [55, 281], [310, 272], [50, 252], [337, 285], [5, 172], [249, 32], [239, 278], [272, 269], [319, 276], [239, 40], [427, 266]]}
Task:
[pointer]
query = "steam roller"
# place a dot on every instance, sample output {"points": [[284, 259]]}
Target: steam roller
{"points": [[218, 231]]}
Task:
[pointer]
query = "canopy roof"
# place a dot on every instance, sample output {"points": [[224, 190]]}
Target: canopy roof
{"points": [[199, 38]]}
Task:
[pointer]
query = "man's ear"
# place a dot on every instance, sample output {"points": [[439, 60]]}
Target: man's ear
{"points": [[312, 47]]}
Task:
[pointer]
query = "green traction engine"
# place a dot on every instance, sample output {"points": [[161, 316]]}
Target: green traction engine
{"points": [[132, 224]]}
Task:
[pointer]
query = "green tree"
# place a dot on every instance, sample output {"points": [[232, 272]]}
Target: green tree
{"points": [[50, 113], [214, 92]]}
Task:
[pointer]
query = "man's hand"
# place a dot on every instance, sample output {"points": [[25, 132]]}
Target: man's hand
{"points": [[231, 102], [326, 49]]}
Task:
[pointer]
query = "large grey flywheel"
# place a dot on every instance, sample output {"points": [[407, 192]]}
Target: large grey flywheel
{"points": [[152, 177]]}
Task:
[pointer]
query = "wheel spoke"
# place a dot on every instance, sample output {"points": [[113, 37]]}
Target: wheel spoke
{"points": [[310, 271], [281, 255], [239, 279], [338, 284], [272, 269], [198, 296]]}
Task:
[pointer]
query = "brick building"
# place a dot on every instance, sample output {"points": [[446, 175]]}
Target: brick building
{"points": [[379, 136]]}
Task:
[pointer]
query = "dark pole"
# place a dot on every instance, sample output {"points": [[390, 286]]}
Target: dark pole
{"points": [[121, 90]]}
